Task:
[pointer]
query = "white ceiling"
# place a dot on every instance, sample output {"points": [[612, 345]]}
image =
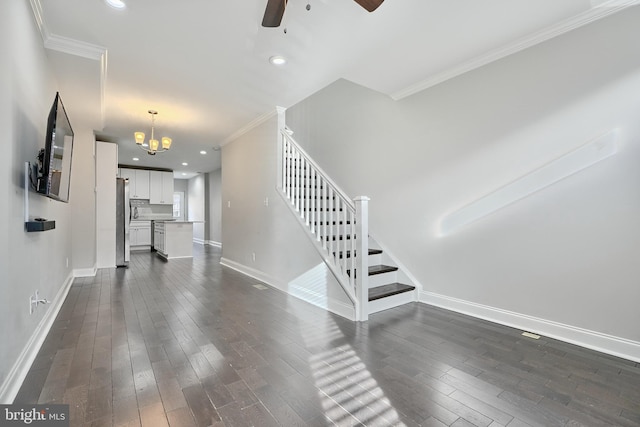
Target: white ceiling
{"points": [[203, 64]]}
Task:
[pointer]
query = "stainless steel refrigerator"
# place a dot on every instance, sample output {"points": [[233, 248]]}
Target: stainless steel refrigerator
{"points": [[123, 218]]}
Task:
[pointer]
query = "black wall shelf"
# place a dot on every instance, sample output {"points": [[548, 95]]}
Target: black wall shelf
{"points": [[43, 225]]}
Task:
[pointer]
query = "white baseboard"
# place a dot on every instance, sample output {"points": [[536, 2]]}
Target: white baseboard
{"points": [[12, 383], [198, 241], [214, 243], [616, 346], [319, 300], [85, 272], [330, 304], [251, 272]]}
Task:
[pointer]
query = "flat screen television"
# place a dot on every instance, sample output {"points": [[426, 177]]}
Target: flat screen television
{"points": [[54, 177]]}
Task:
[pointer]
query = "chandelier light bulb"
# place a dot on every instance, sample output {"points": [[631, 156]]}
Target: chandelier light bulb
{"points": [[153, 146]]}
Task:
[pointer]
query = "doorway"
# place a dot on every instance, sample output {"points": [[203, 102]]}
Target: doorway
{"points": [[178, 205]]}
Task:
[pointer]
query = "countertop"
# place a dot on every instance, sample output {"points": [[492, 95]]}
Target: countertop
{"points": [[179, 222]]}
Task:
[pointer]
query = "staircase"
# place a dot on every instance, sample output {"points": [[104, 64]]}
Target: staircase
{"points": [[338, 228], [389, 286]]}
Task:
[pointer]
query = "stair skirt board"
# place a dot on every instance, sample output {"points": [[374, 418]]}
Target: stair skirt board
{"points": [[392, 301]]}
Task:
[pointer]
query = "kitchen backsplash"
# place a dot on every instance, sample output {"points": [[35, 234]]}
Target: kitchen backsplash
{"points": [[147, 211]]}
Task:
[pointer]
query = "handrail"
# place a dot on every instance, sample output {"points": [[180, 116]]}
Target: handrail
{"points": [[334, 221]]}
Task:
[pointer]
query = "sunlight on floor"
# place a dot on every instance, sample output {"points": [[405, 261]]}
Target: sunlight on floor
{"points": [[349, 394], [311, 286]]}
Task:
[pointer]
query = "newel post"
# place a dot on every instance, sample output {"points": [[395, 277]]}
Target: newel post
{"points": [[362, 257]]}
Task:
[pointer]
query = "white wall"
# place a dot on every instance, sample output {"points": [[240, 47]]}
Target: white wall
{"points": [[214, 219], [196, 206], [203, 198], [83, 202], [564, 258], [106, 171], [267, 242], [29, 261]]}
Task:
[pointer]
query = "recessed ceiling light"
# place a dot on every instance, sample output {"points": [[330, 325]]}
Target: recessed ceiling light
{"points": [[116, 4], [203, 152], [278, 60], [184, 174], [185, 164], [135, 159]]}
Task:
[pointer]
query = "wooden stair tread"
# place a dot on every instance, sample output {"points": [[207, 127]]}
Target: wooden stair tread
{"points": [[388, 290], [378, 269], [371, 252]]}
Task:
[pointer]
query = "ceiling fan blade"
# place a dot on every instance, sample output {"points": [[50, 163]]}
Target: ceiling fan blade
{"points": [[273, 13], [370, 5]]}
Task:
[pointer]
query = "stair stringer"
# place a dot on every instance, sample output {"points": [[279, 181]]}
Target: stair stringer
{"points": [[324, 254]]}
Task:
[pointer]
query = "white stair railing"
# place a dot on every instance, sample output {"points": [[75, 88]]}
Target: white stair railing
{"points": [[337, 225]]}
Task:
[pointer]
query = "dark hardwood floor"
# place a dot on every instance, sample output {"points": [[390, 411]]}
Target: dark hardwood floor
{"points": [[191, 343]]}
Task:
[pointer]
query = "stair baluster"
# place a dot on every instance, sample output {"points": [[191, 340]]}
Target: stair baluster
{"points": [[331, 221]]}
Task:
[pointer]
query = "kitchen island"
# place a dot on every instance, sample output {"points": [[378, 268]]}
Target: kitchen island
{"points": [[173, 239]]}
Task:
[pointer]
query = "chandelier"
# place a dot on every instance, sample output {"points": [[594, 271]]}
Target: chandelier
{"points": [[154, 146]]}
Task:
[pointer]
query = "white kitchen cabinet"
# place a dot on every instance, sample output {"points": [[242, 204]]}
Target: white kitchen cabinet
{"points": [[140, 234], [173, 239], [161, 188], [158, 236], [138, 182]]}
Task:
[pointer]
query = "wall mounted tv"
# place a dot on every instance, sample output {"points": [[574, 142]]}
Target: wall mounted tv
{"points": [[54, 174]]}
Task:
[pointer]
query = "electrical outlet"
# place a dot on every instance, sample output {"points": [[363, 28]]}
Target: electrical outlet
{"points": [[266, 201], [253, 256], [228, 203], [67, 262]]}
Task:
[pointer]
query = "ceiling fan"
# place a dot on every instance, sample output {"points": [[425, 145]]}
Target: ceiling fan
{"points": [[275, 10]]}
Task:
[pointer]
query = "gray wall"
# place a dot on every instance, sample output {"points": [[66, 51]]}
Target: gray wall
{"points": [[181, 185], [284, 256], [196, 206], [214, 203], [202, 197], [567, 254], [40, 261]]}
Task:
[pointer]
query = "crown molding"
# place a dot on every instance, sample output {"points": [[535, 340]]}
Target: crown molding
{"points": [[64, 44], [601, 10], [249, 126], [36, 7], [74, 47]]}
